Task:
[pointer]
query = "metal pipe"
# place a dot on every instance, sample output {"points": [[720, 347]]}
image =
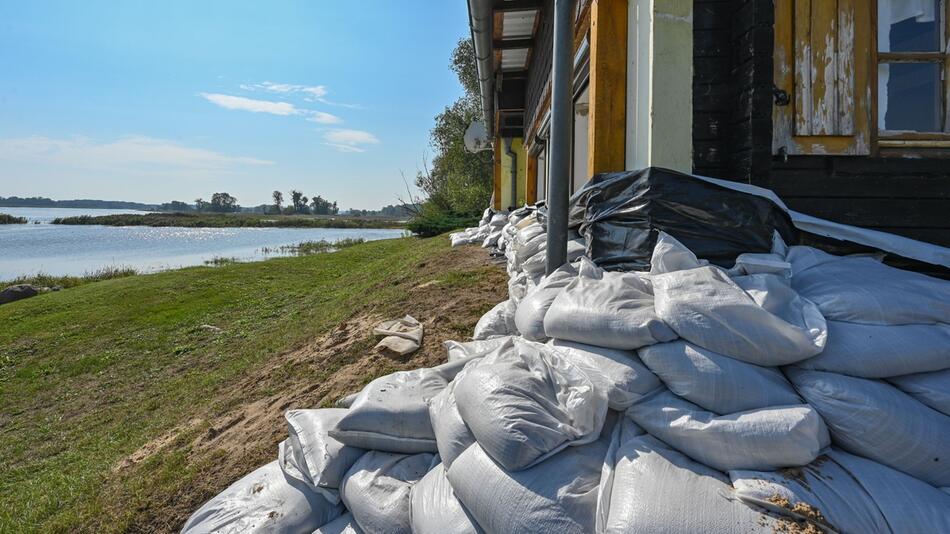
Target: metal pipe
{"points": [[513, 169], [561, 125], [480, 21]]}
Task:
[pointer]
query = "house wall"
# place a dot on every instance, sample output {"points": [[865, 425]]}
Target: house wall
{"points": [[733, 44]]}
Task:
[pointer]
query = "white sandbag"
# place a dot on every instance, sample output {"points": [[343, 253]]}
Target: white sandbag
{"points": [[265, 500], [376, 490], [619, 373], [558, 495], [400, 336], [346, 401], [878, 421], [530, 248], [498, 321], [751, 263], [655, 489], [472, 349], [436, 510], [875, 351], [669, 255], [607, 309], [756, 318], [518, 287], [492, 239], [452, 435], [536, 265], [765, 438], [392, 414], [932, 389], [322, 459], [345, 524], [715, 382], [498, 220], [459, 238], [863, 290], [853, 494], [529, 317], [528, 402]]}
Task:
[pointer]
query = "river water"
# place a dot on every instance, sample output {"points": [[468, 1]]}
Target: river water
{"points": [[74, 250]]}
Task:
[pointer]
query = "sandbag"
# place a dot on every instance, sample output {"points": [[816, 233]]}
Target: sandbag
{"points": [[932, 389], [529, 317], [852, 494], [864, 290], [606, 309], [557, 495], [322, 459], [265, 500], [669, 255], [392, 414], [715, 382], [452, 435], [756, 318], [518, 287], [878, 421], [619, 373], [400, 336], [472, 349], [765, 438], [875, 351], [528, 402], [376, 490], [536, 264], [345, 524], [492, 239], [499, 321], [652, 488], [436, 510], [623, 212]]}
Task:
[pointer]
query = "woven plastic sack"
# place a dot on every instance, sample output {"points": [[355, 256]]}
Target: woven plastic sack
{"points": [[528, 402], [266, 500], [529, 317], [436, 510], [472, 349], [649, 487], [847, 493], [376, 490], [875, 351], [499, 321], [863, 290], [452, 435], [392, 412], [932, 389], [619, 373], [606, 309], [345, 524], [557, 495], [878, 421], [756, 318], [766, 438], [322, 459], [715, 382]]}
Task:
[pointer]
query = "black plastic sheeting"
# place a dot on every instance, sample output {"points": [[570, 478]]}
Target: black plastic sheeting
{"points": [[621, 214]]}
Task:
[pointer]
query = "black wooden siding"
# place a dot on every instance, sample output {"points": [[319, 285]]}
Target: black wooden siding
{"points": [[732, 137], [539, 72]]}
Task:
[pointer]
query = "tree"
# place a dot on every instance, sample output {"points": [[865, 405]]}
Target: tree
{"points": [[278, 200], [459, 182], [299, 202], [200, 204], [223, 203]]}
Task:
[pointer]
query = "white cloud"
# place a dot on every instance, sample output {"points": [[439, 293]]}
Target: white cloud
{"points": [[324, 118], [136, 154], [312, 93], [343, 140], [249, 104]]}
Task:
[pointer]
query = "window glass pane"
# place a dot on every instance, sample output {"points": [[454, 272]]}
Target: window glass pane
{"points": [[908, 25], [579, 157], [909, 96]]}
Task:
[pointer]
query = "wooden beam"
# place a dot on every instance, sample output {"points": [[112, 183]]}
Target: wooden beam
{"points": [[608, 86], [497, 173], [517, 5], [531, 187]]}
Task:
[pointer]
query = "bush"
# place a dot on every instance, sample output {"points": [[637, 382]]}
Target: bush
{"points": [[432, 221], [10, 219]]}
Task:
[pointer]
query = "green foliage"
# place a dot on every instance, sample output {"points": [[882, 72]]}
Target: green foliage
{"points": [[433, 221], [45, 280], [6, 218]]}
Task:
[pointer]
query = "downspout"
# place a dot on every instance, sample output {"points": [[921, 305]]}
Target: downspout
{"points": [[514, 172], [480, 22], [560, 139]]}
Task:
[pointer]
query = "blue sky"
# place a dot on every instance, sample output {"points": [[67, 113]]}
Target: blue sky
{"points": [[175, 99]]}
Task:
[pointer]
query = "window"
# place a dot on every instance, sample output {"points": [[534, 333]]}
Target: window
{"points": [[579, 175], [543, 174], [912, 67]]}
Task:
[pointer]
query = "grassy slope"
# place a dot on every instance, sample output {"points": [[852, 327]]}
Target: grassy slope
{"points": [[90, 375]]}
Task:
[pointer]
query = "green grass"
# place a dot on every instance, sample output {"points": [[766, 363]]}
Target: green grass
{"points": [[89, 375], [6, 218], [231, 220], [46, 280]]}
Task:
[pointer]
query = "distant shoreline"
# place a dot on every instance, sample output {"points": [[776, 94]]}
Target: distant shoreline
{"points": [[231, 220]]}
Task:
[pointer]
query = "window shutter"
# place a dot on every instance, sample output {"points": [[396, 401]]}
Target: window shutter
{"points": [[822, 59]]}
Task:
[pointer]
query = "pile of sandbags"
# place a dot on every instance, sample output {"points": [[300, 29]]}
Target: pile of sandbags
{"points": [[795, 391]]}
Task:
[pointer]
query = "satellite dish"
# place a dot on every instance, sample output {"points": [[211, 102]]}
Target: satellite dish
{"points": [[477, 138]]}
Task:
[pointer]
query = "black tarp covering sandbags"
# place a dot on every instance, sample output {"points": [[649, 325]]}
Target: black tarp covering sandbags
{"points": [[620, 215]]}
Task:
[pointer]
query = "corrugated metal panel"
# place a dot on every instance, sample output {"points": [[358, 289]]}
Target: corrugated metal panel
{"points": [[518, 24], [514, 59]]}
